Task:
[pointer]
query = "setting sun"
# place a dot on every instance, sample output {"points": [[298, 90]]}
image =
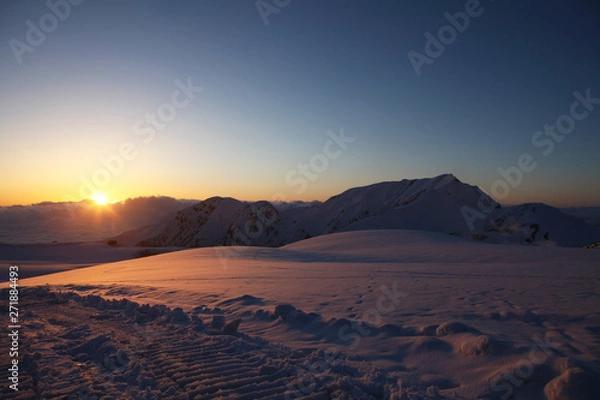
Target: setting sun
{"points": [[100, 198]]}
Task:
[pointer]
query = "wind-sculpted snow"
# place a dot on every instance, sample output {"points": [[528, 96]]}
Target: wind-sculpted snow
{"points": [[87, 347]]}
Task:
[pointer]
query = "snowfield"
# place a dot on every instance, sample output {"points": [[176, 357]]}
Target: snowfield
{"points": [[40, 259], [377, 314]]}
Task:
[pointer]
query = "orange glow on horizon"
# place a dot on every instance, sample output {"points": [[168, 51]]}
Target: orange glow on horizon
{"points": [[51, 191], [100, 199]]}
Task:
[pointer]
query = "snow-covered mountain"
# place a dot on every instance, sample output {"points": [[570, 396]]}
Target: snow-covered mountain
{"points": [[538, 223], [431, 204], [215, 221], [591, 215]]}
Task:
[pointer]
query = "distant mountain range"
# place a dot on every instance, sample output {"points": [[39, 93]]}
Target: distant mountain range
{"points": [[82, 221], [440, 204], [591, 215]]}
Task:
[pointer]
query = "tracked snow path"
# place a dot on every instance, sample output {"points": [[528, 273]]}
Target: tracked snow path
{"points": [[87, 347]]}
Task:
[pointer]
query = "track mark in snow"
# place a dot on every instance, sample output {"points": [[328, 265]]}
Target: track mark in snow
{"points": [[86, 347]]}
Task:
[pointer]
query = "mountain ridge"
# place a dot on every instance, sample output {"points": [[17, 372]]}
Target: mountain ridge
{"points": [[434, 204]]}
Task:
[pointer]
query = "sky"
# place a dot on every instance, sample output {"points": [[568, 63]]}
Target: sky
{"points": [[298, 100]]}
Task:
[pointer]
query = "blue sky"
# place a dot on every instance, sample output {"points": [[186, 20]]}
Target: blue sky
{"points": [[270, 93]]}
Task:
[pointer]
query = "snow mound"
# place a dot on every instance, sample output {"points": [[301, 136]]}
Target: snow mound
{"points": [[573, 384]]}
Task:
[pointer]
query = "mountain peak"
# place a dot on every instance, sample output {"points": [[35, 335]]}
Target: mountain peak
{"points": [[434, 204]]}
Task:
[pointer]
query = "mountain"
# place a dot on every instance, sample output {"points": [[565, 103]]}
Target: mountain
{"points": [[215, 221], [539, 223], [432, 204], [591, 215]]}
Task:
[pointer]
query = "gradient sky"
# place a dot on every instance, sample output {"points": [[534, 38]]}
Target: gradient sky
{"points": [[271, 93]]}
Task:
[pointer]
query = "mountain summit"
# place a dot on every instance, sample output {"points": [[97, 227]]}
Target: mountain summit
{"points": [[432, 204]]}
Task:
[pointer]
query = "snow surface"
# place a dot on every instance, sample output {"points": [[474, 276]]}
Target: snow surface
{"points": [[39, 259], [392, 314]]}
